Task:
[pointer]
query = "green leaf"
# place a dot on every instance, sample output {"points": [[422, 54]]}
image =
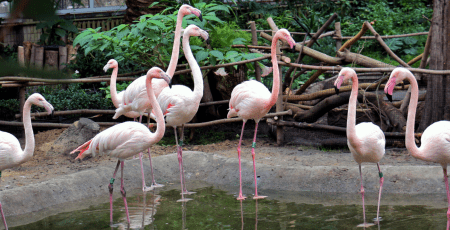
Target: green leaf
{"points": [[201, 55], [213, 18], [158, 23], [60, 32], [220, 8], [251, 56], [217, 54], [194, 47], [239, 41]]}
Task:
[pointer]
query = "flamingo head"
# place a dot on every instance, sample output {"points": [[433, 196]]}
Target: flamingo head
{"points": [[284, 34], [193, 30], [397, 76], [156, 72], [345, 74], [186, 9], [39, 100], [111, 64]]}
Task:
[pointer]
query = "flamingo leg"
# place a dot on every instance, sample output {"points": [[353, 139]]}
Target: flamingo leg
{"points": [[111, 188], [364, 207], [154, 184], [379, 194], [144, 187], [123, 192], [254, 164], [1, 210], [3, 216], [240, 197], [185, 191], [448, 195], [180, 162]]}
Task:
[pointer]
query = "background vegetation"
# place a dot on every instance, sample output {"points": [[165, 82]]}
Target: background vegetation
{"points": [[149, 41]]}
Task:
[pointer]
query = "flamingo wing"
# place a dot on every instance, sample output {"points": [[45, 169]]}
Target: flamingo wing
{"points": [[9, 150], [373, 142], [178, 104], [436, 142], [121, 141], [248, 100]]}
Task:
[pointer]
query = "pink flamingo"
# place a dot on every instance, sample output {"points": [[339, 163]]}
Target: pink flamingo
{"points": [[435, 145], [133, 101], [11, 154], [252, 100], [366, 141], [127, 139], [179, 103]]}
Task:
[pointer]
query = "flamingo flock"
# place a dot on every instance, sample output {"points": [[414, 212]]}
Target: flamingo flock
{"points": [[154, 96]]}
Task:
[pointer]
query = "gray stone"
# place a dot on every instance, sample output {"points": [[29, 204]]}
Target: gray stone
{"points": [[77, 134]]}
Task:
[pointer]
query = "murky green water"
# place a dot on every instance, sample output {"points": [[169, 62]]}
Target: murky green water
{"points": [[216, 209]]}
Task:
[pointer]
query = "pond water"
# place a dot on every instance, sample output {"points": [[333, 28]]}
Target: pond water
{"points": [[212, 208]]}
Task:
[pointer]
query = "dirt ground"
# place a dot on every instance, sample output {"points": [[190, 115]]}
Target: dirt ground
{"points": [[43, 167]]}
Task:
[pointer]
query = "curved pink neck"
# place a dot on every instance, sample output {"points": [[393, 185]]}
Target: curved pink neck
{"points": [[351, 114], [196, 72], [276, 73], [29, 135], [113, 88], [409, 138], [176, 46], [160, 126]]}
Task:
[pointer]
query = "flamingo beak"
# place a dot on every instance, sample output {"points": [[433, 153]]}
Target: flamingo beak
{"points": [[167, 78], [389, 97], [336, 89], [106, 67], [200, 17]]}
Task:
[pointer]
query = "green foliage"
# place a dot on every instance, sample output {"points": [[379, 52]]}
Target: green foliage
{"points": [[9, 108], [74, 97], [120, 87], [54, 30]]}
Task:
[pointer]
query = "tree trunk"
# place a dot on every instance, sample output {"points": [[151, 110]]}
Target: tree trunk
{"points": [[437, 102], [136, 8]]}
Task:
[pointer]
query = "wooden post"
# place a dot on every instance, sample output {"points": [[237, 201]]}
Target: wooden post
{"points": [[255, 43], [279, 104], [71, 53], [337, 26], [21, 55], [51, 59], [39, 57], [27, 45], [62, 57], [33, 54]]}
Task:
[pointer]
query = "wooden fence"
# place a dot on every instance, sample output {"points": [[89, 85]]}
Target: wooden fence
{"points": [[282, 108]]}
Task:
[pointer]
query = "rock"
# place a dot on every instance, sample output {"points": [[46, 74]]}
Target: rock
{"points": [[77, 134]]}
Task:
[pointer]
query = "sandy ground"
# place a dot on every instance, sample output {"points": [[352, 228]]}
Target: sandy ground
{"points": [[43, 167]]}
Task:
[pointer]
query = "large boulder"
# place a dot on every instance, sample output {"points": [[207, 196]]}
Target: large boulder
{"points": [[77, 134]]}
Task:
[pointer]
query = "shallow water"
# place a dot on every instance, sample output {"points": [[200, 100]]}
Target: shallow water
{"points": [[216, 209]]}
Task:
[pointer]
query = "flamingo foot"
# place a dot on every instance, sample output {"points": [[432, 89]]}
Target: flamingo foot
{"points": [[376, 221], [365, 225], [259, 197], [241, 197], [156, 185], [187, 193], [146, 189], [184, 200]]}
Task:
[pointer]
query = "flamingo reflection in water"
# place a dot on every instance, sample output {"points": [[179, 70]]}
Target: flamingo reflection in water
{"points": [[141, 211]]}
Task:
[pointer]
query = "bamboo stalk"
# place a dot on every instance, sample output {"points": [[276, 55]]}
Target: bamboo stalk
{"points": [[386, 36], [329, 92], [313, 126], [383, 44]]}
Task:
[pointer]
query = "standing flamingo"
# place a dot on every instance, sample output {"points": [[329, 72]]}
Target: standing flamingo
{"points": [[435, 140], [179, 103], [252, 100], [366, 141], [11, 154], [127, 139], [134, 99]]}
